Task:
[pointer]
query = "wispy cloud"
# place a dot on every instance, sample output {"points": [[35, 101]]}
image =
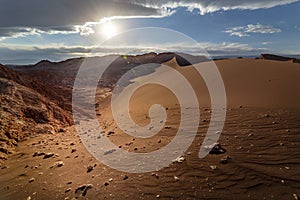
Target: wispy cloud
{"points": [[243, 31], [210, 6]]}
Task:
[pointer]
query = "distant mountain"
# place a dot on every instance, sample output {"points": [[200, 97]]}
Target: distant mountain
{"points": [[278, 58]]}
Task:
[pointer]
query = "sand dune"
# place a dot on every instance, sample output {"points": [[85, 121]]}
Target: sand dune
{"points": [[260, 137]]}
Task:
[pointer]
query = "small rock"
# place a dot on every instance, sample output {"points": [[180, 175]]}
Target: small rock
{"points": [[73, 150], [295, 196], [109, 151], [225, 160], [48, 155], [215, 149], [110, 180], [250, 134], [110, 133], [281, 144], [213, 167], [157, 196], [72, 144], [218, 132], [159, 141], [38, 154], [176, 178], [266, 115], [89, 168], [156, 175], [59, 163], [31, 180], [167, 127], [180, 159], [125, 177], [106, 183], [287, 168], [70, 182], [83, 189], [68, 190], [274, 122], [135, 149]]}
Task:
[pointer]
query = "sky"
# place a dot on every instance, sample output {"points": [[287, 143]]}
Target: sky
{"points": [[55, 30]]}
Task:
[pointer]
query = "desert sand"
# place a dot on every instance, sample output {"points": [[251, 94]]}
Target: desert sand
{"points": [[260, 136]]}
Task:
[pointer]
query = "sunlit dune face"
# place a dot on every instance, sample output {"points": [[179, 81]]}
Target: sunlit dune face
{"points": [[108, 29]]}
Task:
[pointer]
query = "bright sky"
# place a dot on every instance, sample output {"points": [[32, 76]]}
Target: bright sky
{"points": [[33, 30]]}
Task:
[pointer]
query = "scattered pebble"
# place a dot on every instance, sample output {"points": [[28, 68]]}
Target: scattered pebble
{"points": [[225, 159], [250, 134], [295, 196], [83, 189], [106, 183], [213, 167], [157, 196], [180, 159], [109, 151], [125, 177], [38, 154], [110, 133], [89, 168], [31, 180], [59, 163], [215, 149], [68, 190], [48, 155], [176, 178], [156, 175]]}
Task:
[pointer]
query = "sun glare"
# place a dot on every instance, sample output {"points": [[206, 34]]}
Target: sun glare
{"points": [[109, 29]]}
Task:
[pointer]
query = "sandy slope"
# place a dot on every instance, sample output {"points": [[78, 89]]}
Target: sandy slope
{"points": [[261, 135]]}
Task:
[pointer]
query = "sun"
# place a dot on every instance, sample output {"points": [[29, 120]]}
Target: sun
{"points": [[108, 29]]}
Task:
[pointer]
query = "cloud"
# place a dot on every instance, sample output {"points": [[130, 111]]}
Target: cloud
{"points": [[59, 13], [16, 32], [242, 31], [33, 17], [209, 6]]}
